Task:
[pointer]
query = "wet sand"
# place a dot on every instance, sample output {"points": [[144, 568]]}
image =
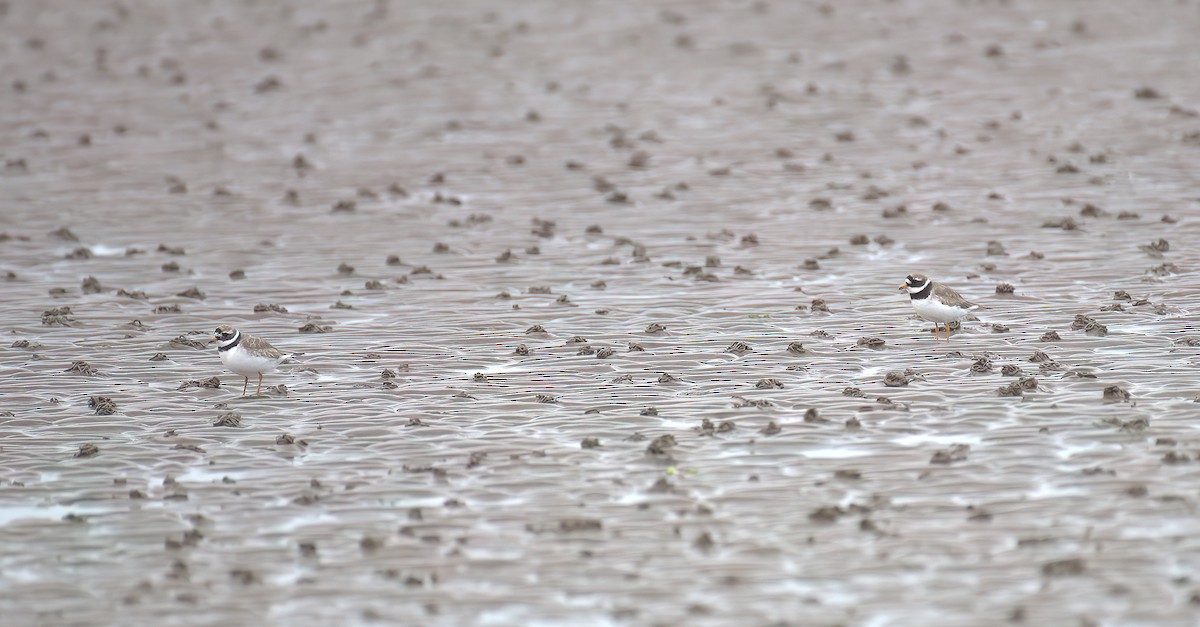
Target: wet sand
{"points": [[599, 315]]}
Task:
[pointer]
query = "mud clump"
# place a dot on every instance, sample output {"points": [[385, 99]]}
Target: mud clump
{"points": [[1005, 288], [185, 342], [87, 450], [872, 342], [1012, 389], [64, 233], [796, 348], [91, 285], [589, 443], [826, 514], [660, 445], [211, 383], [135, 294], [1156, 248], [571, 525], [1089, 325], [896, 379], [159, 357], [818, 304], [102, 405], [269, 307], [313, 327], [1115, 394], [1050, 336], [739, 348], [955, 453], [1063, 568], [760, 403], [228, 419], [58, 317], [1067, 224], [82, 368], [1019, 387], [655, 327], [771, 429], [769, 384]]}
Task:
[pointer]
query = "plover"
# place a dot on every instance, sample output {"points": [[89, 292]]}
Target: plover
{"points": [[936, 302], [246, 355]]}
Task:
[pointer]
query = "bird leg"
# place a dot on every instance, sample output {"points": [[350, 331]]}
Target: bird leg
{"points": [[936, 330], [245, 384], [258, 390]]}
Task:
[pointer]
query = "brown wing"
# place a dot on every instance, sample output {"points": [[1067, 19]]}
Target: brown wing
{"points": [[259, 346], [951, 297]]}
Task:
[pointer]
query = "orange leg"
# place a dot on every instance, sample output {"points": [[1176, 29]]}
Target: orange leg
{"points": [[947, 332], [245, 384], [258, 390], [936, 330]]}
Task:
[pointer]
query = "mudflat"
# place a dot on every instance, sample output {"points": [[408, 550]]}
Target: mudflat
{"points": [[597, 313]]}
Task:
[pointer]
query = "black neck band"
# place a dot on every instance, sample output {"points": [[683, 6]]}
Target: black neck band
{"points": [[924, 293], [237, 340]]}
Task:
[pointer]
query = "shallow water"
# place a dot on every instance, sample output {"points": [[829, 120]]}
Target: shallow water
{"points": [[448, 492]]}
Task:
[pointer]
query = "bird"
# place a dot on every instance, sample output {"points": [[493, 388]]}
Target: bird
{"points": [[936, 302], [246, 354]]}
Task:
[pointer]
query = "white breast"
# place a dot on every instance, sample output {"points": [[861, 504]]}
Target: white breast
{"points": [[933, 310], [241, 361]]}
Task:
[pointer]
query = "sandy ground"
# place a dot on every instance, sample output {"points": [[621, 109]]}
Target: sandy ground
{"points": [[568, 256]]}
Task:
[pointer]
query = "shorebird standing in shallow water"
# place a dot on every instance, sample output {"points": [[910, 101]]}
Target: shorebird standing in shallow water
{"points": [[936, 302], [246, 355]]}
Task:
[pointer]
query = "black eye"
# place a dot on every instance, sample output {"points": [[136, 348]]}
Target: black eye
{"points": [[911, 279]]}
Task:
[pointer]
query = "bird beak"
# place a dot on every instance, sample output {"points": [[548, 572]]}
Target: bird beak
{"points": [[212, 340], [904, 287]]}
